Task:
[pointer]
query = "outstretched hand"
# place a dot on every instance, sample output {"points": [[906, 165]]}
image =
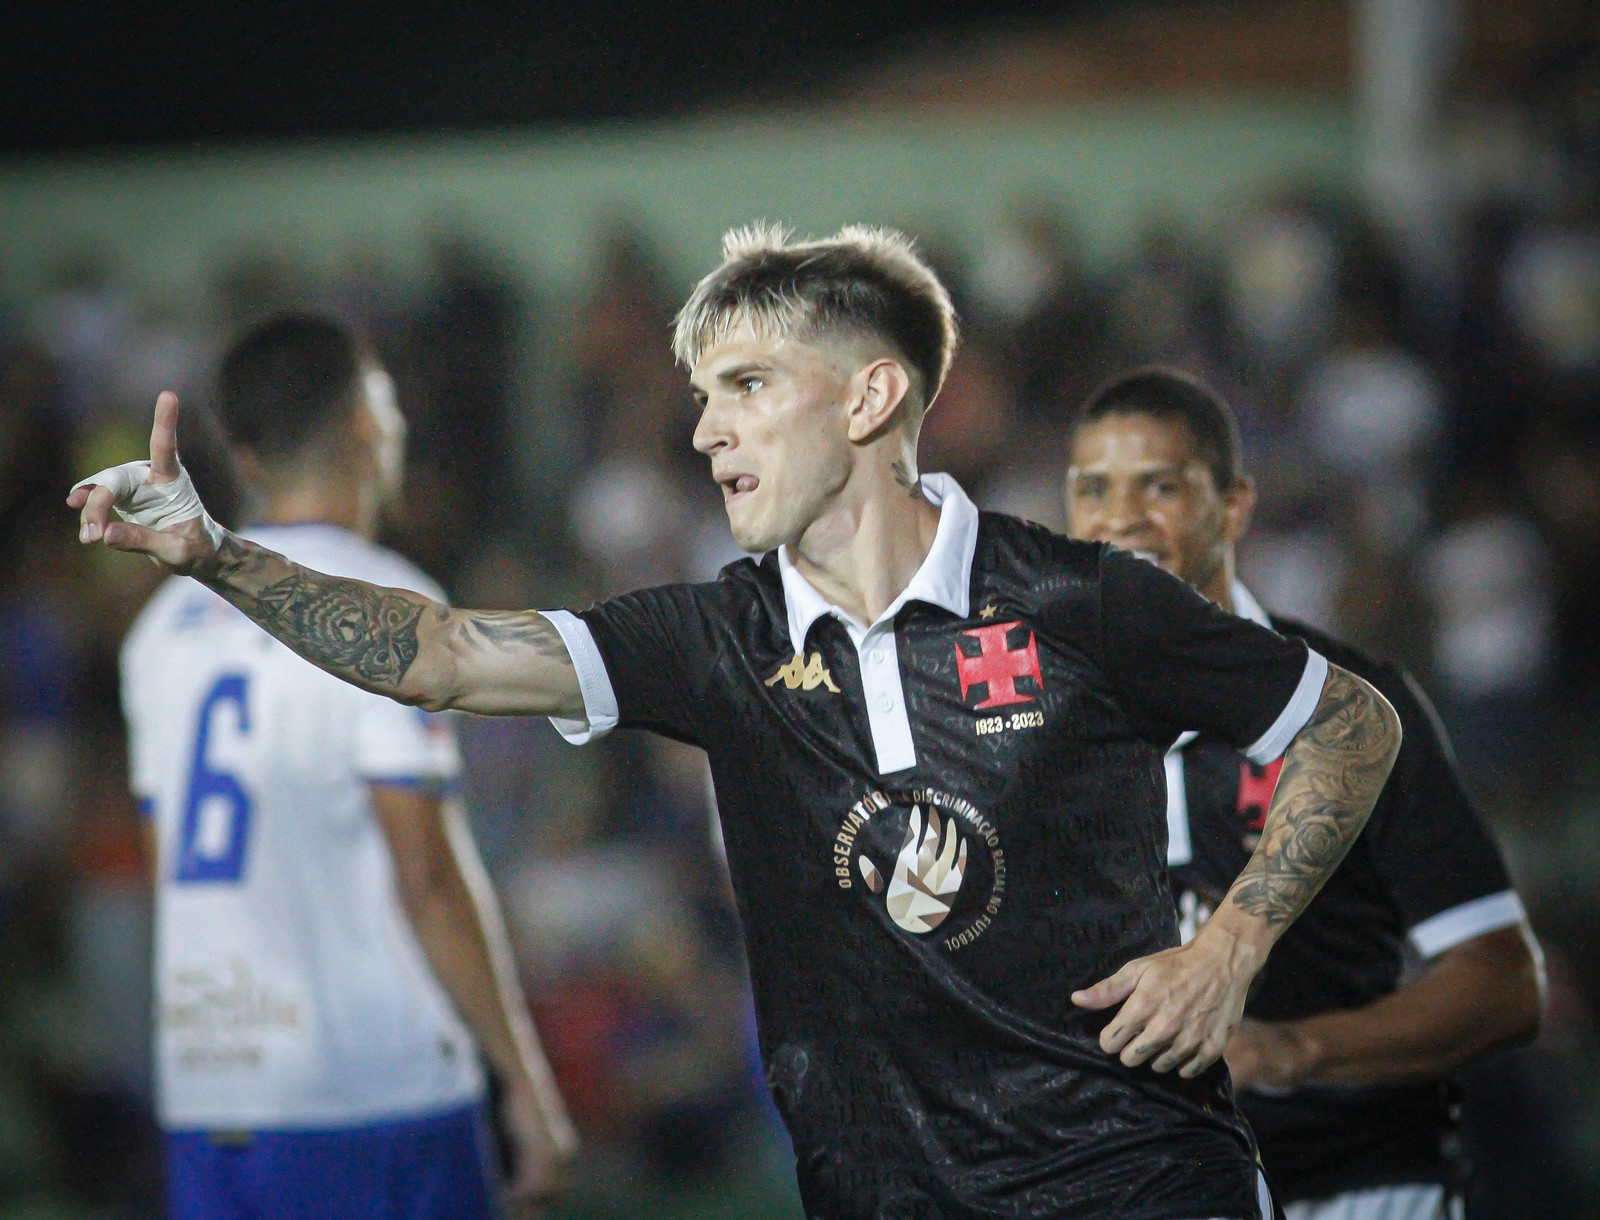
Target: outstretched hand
{"points": [[164, 517], [1179, 1006]]}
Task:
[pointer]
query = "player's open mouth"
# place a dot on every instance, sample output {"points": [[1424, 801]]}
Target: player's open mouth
{"points": [[736, 485]]}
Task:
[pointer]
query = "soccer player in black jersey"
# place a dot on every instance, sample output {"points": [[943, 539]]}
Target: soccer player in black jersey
{"points": [[937, 740], [1343, 1070]]}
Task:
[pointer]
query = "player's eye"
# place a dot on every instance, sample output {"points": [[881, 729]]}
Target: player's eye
{"points": [[749, 385], [1091, 489]]}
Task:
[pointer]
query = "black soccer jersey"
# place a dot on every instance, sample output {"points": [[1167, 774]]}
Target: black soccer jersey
{"points": [[1424, 869], [938, 828]]}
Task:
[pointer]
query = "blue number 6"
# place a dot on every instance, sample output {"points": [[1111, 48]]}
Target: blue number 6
{"points": [[216, 857]]}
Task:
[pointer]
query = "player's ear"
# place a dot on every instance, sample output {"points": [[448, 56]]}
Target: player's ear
{"points": [[883, 386], [359, 424], [358, 439], [1239, 506]]}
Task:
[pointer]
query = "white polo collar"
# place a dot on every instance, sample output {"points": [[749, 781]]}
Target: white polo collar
{"points": [[1246, 606], [944, 579]]}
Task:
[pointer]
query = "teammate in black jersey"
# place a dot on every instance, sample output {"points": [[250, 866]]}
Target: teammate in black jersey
{"points": [[937, 740], [1344, 1071]]}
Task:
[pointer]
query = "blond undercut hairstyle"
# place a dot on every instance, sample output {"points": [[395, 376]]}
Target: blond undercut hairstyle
{"points": [[863, 281]]}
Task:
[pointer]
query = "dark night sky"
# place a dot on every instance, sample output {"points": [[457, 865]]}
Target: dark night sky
{"points": [[78, 75]]}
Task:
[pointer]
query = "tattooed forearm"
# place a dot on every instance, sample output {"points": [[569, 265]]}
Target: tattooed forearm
{"points": [[356, 630], [509, 630], [1331, 779], [344, 625], [402, 644]]}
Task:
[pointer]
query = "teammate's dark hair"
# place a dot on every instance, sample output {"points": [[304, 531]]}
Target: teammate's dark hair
{"points": [[286, 382], [1168, 393]]}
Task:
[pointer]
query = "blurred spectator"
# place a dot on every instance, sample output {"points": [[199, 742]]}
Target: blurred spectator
{"points": [[1552, 287], [1560, 467], [1296, 567], [1489, 375], [1279, 286], [1488, 576], [1372, 412], [83, 324], [255, 285], [34, 440], [44, 647], [971, 431], [1031, 284], [1163, 310], [457, 376], [640, 498]]}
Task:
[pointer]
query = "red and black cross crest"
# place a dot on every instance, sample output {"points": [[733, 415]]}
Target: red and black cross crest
{"points": [[997, 665], [1256, 786]]}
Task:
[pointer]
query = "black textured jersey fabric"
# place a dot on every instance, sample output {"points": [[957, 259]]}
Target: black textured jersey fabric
{"points": [[914, 938], [1425, 850]]}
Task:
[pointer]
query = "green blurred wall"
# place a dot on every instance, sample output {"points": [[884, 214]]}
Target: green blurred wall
{"points": [[164, 218]]}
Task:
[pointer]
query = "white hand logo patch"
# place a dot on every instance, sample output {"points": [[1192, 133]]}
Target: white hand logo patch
{"points": [[927, 872]]}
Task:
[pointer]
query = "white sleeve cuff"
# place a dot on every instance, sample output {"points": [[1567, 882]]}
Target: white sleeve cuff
{"points": [[1462, 923], [599, 699], [1295, 713]]}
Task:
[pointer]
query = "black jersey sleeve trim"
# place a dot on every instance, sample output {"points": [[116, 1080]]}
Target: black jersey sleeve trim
{"points": [[1271, 744], [599, 698]]}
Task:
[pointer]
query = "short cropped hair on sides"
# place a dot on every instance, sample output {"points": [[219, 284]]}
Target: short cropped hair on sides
{"points": [[1171, 394], [861, 281], [285, 383]]}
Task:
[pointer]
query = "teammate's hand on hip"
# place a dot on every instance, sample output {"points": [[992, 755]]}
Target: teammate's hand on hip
{"points": [[162, 515], [1269, 1055], [540, 1156], [1180, 1006]]}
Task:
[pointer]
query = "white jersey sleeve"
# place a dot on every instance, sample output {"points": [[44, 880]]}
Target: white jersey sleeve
{"points": [[405, 746]]}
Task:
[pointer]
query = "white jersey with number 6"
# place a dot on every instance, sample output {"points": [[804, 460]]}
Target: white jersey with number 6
{"points": [[290, 989]]}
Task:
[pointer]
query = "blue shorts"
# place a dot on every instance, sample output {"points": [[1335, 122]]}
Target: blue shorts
{"points": [[436, 1168]]}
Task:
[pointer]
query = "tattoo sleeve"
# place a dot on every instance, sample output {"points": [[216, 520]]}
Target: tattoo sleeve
{"points": [[352, 629], [508, 630], [366, 634], [1331, 779]]}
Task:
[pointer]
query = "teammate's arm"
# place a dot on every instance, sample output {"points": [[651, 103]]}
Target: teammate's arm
{"points": [[452, 909], [390, 641], [1181, 1007], [1332, 775], [1479, 996]]}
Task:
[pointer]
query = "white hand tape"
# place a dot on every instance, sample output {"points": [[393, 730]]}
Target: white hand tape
{"points": [[158, 506]]}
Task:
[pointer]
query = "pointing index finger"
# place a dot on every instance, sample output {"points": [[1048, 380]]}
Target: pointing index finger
{"points": [[164, 439]]}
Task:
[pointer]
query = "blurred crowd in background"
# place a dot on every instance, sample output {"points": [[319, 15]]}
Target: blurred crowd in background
{"points": [[1426, 435]]}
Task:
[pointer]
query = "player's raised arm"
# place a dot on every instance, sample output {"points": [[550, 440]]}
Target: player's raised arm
{"points": [[396, 643]]}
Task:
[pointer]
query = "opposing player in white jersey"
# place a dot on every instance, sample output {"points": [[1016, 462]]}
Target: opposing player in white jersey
{"points": [[329, 957]]}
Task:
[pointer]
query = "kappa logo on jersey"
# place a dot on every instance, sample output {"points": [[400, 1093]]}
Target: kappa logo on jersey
{"points": [[997, 665], [947, 861], [804, 675]]}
